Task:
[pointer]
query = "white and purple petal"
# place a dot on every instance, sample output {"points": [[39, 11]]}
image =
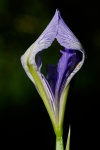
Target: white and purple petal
{"points": [[59, 76]]}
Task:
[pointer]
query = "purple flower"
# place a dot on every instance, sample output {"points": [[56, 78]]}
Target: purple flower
{"points": [[53, 88]]}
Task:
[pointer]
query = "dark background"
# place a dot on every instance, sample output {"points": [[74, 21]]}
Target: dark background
{"points": [[24, 122]]}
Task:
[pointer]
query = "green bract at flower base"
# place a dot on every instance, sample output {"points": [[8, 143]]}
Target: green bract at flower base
{"points": [[53, 88]]}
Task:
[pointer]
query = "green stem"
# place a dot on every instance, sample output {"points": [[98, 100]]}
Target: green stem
{"points": [[59, 143]]}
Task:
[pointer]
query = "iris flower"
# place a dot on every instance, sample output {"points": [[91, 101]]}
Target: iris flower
{"points": [[53, 88]]}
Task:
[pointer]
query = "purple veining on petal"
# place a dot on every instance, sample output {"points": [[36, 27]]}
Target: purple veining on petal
{"points": [[50, 93], [65, 36], [49, 34]]}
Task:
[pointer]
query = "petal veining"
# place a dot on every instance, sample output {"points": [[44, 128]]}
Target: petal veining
{"points": [[65, 36]]}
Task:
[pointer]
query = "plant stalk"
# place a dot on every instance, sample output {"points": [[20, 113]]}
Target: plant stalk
{"points": [[59, 143]]}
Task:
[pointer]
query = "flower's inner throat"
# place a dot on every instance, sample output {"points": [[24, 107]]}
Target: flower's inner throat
{"points": [[49, 56], [57, 73]]}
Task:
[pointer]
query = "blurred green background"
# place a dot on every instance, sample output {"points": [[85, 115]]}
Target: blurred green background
{"points": [[23, 118]]}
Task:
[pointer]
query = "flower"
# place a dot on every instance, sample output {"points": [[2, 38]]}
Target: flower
{"points": [[53, 89]]}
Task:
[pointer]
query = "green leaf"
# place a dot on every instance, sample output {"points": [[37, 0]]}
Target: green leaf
{"points": [[68, 140]]}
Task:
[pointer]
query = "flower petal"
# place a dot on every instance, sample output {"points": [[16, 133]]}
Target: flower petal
{"points": [[65, 36], [66, 65], [52, 76], [73, 58], [43, 42], [69, 41], [32, 66]]}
